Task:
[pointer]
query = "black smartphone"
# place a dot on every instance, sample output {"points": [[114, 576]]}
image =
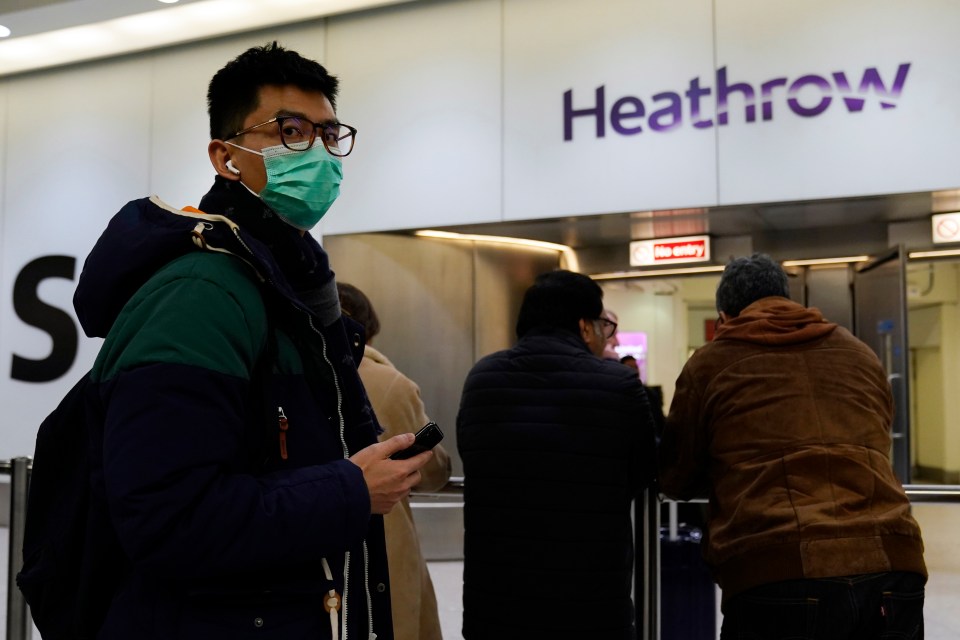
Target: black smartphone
{"points": [[427, 438]]}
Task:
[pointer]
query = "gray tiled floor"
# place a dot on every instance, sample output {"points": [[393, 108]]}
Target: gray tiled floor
{"points": [[941, 531], [447, 576], [941, 537]]}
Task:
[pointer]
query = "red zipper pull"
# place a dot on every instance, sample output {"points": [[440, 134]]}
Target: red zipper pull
{"points": [[283, 425]]}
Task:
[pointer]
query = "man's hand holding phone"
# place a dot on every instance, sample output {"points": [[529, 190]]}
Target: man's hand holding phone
{"points": [[427, 438], [389, 480]]}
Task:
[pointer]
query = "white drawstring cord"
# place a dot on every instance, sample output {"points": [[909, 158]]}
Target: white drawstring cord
{"points": [[331, 602]]}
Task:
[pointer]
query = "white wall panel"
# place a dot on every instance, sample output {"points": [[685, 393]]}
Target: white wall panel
{"points": [[4, 93], [180, 170], [909, 147], [422, 84], [633, 49], [76, 150], [7, 317]]}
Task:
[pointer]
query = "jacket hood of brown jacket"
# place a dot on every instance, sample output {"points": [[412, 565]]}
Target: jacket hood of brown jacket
{"points": [[776, 321]]}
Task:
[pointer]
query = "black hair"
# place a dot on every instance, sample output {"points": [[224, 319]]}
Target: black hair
{"points": [[626, 359], [234, 91], [560, 299], [357, 305], [746, 280]]}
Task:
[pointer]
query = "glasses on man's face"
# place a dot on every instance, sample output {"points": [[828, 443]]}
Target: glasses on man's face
{"points": [[299, 134], [609, 327]]}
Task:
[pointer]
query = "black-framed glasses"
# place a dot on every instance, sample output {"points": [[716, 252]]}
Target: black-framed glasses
{"points": [[608, 327], [299, 134]]}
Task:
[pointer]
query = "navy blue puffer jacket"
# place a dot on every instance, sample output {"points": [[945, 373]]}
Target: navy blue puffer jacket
{"points": [[228, 490]]}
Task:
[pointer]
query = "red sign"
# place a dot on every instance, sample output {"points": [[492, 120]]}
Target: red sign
{"points": [[669, 251]]}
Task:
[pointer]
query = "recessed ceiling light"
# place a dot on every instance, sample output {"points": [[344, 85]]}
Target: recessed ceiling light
{"points": [[169, 1], [4, 32], [567, 252]]}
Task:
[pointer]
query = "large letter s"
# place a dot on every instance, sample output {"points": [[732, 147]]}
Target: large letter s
{"points": [[36, 313]]}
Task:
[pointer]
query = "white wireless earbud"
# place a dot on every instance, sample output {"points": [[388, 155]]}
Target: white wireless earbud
{"points": [[232, 168]]}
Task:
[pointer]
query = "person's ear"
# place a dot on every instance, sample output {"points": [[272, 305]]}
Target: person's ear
{"points": [[586, 330], [724, 317], [220, 159]]}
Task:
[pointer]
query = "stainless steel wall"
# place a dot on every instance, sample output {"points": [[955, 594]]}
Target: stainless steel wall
{"points": [[442, 305]]}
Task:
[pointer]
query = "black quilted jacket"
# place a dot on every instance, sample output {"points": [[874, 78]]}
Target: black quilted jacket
{"points": [[555, 444]]}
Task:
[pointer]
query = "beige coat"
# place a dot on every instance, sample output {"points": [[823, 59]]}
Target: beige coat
{"points": [[396, 401]]}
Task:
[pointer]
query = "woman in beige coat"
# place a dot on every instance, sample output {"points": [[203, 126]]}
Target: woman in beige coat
{"points": [[396, 401]]}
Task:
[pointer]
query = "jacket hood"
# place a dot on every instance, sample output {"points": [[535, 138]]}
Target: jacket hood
{"points": [[776, 321], [141, 238], [146, 234]]}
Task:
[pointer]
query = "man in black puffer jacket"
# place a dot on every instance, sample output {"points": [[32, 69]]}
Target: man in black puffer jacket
{"points": [[556, 442]]}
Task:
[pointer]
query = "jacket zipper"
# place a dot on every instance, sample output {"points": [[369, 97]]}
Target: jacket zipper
{"points": [[336, 384]]}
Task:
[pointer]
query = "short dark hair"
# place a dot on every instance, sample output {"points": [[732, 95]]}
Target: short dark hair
{"points": [[234, 91], [357, 305], [746, 280], [626, 359], [560, 299]]}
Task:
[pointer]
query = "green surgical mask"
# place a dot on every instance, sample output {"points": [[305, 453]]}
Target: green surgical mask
{"points": [[301, 185]]}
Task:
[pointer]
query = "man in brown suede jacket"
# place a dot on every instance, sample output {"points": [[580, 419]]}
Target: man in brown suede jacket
{"points": [[784, 422]]}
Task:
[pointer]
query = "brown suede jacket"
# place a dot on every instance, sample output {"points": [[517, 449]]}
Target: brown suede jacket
{"points": [[784, 422]]}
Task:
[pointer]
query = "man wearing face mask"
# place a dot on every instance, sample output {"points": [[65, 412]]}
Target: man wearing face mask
{"points": [[241, 469]]}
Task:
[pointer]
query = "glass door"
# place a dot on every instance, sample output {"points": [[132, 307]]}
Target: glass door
{"points": [[880, 320]]}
